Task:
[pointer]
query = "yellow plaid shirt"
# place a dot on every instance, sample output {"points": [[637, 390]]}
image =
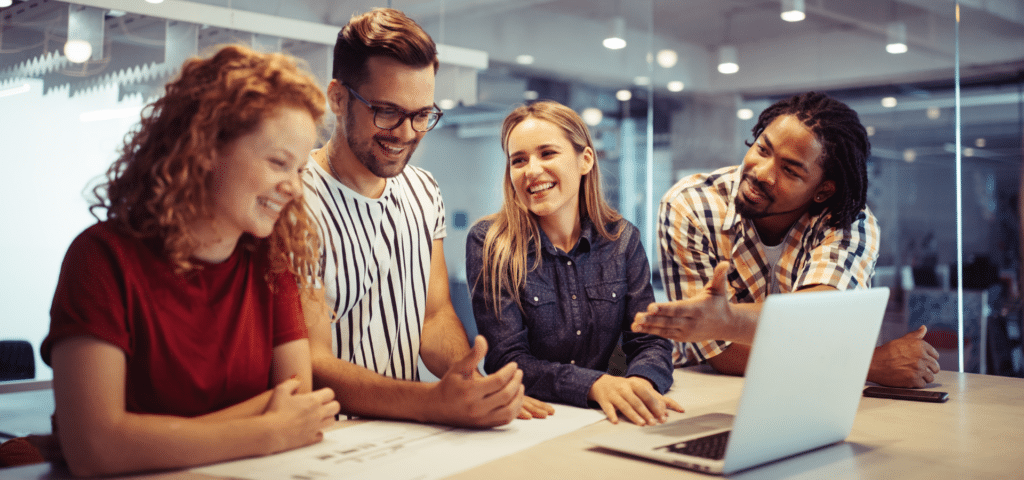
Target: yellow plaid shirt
{"points": [[698, 227]]}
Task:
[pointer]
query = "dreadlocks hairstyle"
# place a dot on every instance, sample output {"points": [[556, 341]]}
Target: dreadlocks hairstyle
{"points": [[844, 154]]}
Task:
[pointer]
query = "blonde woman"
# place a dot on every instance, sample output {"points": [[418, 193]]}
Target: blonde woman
{"points": [[557, 276]]}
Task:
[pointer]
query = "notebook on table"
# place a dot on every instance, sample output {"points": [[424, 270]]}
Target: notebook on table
{"points": [[802, 386]]}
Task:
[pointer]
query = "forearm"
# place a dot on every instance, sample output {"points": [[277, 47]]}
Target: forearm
{"points": [[733, 361], [443, 341], [650, 357], [130, 442], [364, 393]]}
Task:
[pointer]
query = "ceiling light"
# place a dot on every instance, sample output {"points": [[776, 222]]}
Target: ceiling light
{"points": [[909, 155], [85, 33], [793, 10], [667, 58], [77, 51], [889, 102], [979, 142], [744, 114], [623, 95], [871, 130], [524, 59], [592, 116], [933, 113], [617, 36], [727, 60], [968, 152], [896, 35], [530, 95], [446, 104], [641, 81], [155, 1], [675, 86], [6, 3]]}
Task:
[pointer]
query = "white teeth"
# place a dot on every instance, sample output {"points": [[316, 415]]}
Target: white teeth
{"points": [[276, 207], [541, 186], [391, 150]]}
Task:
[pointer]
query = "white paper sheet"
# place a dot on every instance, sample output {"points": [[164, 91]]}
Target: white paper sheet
{"points": [[404, 451]]}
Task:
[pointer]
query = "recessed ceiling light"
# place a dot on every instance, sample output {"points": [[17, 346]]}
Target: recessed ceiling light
{"points": [[524, 59]]}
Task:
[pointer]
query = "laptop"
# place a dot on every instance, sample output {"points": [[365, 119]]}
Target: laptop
{"points": [[803, 382]]}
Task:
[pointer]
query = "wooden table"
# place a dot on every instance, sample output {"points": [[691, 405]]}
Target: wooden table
{"points": [[978, 433]]}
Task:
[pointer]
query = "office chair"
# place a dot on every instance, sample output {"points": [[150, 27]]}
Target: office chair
{"points": [[17, 360]]}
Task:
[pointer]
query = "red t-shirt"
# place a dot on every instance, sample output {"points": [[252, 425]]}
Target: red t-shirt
{"points": [[194, 343]]}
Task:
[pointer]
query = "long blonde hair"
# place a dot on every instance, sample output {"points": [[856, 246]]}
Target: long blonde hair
{"points": [[513, 228]]}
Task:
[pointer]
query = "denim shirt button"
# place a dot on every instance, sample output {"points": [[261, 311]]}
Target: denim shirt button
{"points": [[568, 262], [536, 299], [613, 294], [572, 362], [579, 332], [574, 297]]}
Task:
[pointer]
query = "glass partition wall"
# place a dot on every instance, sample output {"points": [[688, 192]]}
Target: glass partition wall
{"points": [[652, 78]]}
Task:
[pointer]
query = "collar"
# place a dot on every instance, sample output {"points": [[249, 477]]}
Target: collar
{"points": [[732, 218], [583, 245]]}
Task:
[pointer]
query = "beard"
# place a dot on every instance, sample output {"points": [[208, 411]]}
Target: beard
{"points": [[748, 210], [364, 151]]}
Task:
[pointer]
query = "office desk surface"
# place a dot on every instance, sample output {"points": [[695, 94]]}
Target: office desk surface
{"points": [[978, 433]]}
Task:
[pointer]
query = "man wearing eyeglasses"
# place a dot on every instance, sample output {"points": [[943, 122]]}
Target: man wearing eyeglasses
{"points": [[385, 302]]}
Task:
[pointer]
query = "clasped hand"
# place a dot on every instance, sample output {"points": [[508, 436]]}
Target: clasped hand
{"points": [[301, 417]]}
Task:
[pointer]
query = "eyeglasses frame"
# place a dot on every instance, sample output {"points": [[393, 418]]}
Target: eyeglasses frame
{"points": [[405, 114]]}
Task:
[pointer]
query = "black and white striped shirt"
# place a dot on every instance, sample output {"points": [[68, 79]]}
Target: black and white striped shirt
{"points": [[376, 265]]}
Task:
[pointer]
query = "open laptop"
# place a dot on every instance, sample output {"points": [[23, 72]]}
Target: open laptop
{"points": [[807, 367]]}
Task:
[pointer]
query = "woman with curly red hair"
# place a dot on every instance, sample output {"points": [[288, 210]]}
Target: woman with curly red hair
{"points": [[176, 335]]}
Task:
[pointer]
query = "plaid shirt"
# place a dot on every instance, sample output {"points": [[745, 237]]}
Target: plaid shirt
{"points": [[698, 226]]}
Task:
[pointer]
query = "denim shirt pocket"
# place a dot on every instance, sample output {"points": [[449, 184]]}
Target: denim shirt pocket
{"points": [[540, 307], [607, 301]]}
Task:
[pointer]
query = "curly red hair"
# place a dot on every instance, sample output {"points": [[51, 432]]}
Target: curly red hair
{"points": [[158, 187]]}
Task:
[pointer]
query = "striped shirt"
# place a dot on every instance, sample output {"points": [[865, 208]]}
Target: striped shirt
{"points": [[376, 265], [698, 226]]}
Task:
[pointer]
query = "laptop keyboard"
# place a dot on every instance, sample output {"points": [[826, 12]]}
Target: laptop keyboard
{"points": [[711, 446]]}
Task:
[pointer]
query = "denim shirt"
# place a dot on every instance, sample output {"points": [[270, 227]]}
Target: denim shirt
{"points": [[576, 306]]}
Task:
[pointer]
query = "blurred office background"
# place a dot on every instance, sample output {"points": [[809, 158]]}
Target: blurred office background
{"points": [[943, 101]]}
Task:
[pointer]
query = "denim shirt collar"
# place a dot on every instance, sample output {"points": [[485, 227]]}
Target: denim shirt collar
{"points": [[583, 245]]}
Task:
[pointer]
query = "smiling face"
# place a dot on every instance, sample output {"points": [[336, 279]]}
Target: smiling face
{"points": [[782, 176], [545, 171], [390, 83], [255, 176]]}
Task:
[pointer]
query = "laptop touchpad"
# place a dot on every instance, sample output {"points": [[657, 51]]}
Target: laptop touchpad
{"points": [[693, 425]]}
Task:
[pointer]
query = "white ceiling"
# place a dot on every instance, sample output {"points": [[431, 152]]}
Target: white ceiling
{"points": [[839, 45]]}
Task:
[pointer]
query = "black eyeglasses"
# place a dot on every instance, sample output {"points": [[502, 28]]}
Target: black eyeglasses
{"points": [[389, 118]]}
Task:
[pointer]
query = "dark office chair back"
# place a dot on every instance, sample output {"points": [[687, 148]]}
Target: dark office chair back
{"points": [[17, 362]]}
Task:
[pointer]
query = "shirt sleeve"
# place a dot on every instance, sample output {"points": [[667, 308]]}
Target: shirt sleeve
{"points": [[90, 295], [843, 258], [647, 356], [508, 338], [289, 323], [688, 260]]}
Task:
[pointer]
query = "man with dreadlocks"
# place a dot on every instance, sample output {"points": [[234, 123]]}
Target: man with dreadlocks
{"points": [[791, 218]]}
